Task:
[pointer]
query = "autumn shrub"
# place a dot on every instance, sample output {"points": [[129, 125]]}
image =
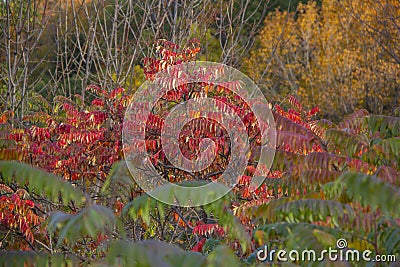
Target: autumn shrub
{"points": [[328, 181], [339, 56]]}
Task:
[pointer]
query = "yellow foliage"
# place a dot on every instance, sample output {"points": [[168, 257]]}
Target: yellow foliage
{"points": [[340, 56]]}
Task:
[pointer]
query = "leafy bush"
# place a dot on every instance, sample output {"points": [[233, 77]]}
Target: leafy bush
{"points": [[328, 181]]}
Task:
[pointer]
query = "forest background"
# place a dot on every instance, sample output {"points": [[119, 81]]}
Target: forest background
{"points": [[341, 56], [68, 69]]}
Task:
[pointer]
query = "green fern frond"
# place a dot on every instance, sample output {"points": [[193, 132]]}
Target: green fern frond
{"points": [[31, 258], [389, 239], [203, 192], [157, 253], [306, 235], [140, 207], [89, 221], [313, 210], [291, 233], [368, 190], [391, 147], [151, 253], [120, 181], [266, 211], [40, 182], [222, 256], [386, 126], [225, 218]]}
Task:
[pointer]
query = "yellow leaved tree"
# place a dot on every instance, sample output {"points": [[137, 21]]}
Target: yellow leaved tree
{"points": [[341, 55]]}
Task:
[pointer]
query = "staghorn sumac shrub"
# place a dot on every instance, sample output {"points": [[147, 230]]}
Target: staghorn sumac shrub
{"points": [[17, 215], [78, 143], [74, 142], [331, 180]]}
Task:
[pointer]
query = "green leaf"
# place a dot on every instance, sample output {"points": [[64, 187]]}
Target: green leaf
{"points": [[210, 245], [387, 126], [140, 207], [315, 178], [120, 176], [151, 253], [40, 182], [89, 221], [297, 234], [391, 146], [222, 256], [189, 198], [267, 211], [312, 210], [349, 143], [143, 205], [389, 239], [226, 219], [368, 190], [30, 258], [305, 236]]}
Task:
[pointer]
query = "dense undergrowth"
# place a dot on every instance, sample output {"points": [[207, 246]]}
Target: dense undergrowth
{"points": [[67, 195]]}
